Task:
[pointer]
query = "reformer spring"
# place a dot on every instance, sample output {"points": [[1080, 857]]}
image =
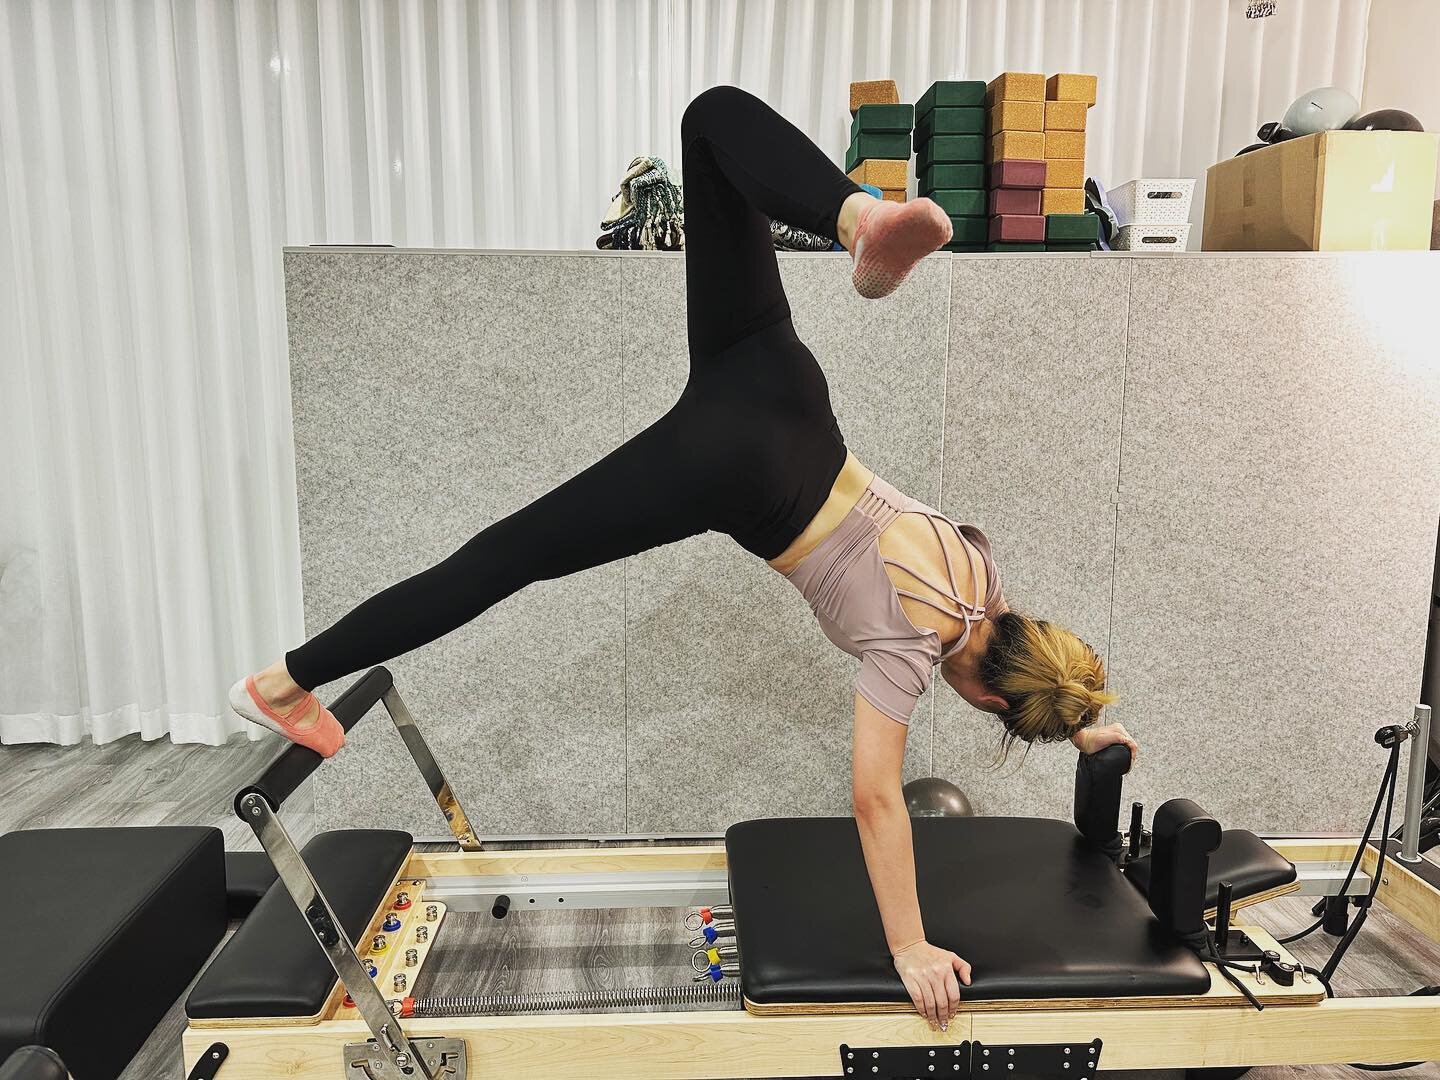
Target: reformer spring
{"points": [[561, 1001]]}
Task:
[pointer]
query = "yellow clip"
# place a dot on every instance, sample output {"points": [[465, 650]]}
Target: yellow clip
{"points": [[713, 955]]}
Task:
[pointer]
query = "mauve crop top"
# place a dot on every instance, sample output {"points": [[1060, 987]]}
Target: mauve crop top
{"points": [[845, 583]]}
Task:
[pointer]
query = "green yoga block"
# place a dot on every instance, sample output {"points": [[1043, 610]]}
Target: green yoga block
{"points": [[952, 246], [1070, 245], [884, 145], [969, 230], [963, 202], [950, 178], [882, 118], [951, 149], [1003, 245], [1072, 227], [949, 122], [951, 95]]}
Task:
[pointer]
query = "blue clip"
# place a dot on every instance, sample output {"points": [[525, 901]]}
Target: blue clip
{"points": [[392, 923]]}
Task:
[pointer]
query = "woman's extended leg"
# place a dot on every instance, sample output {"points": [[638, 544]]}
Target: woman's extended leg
{"points": [[743, 164], [639, 496]]}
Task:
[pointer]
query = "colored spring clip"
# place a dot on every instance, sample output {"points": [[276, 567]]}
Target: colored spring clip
{"points": [[706, 915], [713, 932], [716, 972], [716, 956]]}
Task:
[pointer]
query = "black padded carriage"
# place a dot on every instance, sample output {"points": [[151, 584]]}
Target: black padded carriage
{"points": [[1037, 910]]}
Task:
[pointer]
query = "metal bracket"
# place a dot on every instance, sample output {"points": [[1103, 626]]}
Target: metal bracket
{"points": [[885, 1062], [1057, 1061], [440, 1059], [209, 1062], [974, 1061], [440, 789], [320, 917]]}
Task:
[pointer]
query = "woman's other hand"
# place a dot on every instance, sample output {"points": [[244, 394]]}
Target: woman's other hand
{"points": [[932, 977]]}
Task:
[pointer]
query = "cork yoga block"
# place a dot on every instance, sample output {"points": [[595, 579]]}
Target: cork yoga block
{"points": [[886, 175], [951, 177], [1065, 115], [1016, 86], [873, 92], [1064, 144], [1014, 201], [1019, 173], [897, 195], [1017, 144], [1065, 173], [1063, 201], [1017, 116], [1025, 228], [1070, 87], [949, 95]]}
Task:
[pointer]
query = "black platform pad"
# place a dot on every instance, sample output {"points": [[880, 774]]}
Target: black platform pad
{"points": [[1250, 865], [1037, 911], [107, 926], [273, 966]]}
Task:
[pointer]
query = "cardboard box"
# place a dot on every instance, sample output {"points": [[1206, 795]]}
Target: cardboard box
{"points": [[873, 92], [1070, 87], [1065, 172], [1063, 201], [1015, 86], [1017, 116], [886, 175], [1064, 144], [1017, 144], [1065, 115], [1333, 191]]}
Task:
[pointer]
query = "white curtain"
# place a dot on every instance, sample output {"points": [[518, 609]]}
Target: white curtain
{"points": [[155, 155]]}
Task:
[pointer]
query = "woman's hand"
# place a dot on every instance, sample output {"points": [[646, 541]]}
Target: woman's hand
{"points": [[930, 974], [1088, 740]]}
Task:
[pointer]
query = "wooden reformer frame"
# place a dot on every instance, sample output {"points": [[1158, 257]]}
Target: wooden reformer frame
{"points": [[1298, 1026]]}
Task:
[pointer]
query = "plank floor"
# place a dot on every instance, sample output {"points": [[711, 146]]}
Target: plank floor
{"points": [[131, 782]]}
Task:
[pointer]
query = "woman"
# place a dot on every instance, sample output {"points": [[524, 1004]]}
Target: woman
{"points": [[752, 449]]}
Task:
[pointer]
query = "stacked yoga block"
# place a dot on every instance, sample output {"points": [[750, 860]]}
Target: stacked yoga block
{"points": [[950, 158], [1067, 100], [880, 126], [1015, 109]]}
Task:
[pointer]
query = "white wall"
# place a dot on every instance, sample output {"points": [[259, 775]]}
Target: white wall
{"points": [[1401, 55]]}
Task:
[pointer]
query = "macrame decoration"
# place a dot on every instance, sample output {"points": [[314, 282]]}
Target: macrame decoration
{"points": [[647, 213]]}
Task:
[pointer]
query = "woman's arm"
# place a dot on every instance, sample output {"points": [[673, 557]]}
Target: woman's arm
{"points": [[1097, 737], [929, 973]]}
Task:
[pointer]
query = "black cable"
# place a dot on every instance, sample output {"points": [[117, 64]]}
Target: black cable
{"points": [[1223, 966], [1387, 786], [1303, 933]]}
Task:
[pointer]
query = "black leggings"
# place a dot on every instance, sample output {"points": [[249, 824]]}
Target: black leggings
{"points": [[750, 449]]}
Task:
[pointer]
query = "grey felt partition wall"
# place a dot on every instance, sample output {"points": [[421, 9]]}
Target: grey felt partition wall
{"points": [[1221, 471]]}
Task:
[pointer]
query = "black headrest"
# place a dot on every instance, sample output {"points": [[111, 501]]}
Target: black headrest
{"points": [[1099, 781], [33, 1063], [1184, 837]]}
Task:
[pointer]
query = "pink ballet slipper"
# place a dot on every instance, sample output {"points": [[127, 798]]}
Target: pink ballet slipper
{"points": [[890, 238], [325, 736]]}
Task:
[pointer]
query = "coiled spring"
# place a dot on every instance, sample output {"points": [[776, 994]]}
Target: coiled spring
{"points": [[562, 1001]]}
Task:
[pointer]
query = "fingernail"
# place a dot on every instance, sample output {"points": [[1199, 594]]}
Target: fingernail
{"points": [[944, 1027]]}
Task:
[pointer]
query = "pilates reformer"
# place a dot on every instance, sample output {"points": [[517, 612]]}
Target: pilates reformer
{"points": [[1091, 949]]}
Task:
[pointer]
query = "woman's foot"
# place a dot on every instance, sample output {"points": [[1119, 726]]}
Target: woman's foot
{"points": [[271, 699], [890, 238]]}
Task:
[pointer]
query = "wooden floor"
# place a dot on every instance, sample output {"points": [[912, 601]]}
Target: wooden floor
{"points": [[136, 783]]}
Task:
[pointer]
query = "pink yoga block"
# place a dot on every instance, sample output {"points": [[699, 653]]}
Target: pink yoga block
{"points": [[1017, 173], [1017, 227], [1014, 201]]}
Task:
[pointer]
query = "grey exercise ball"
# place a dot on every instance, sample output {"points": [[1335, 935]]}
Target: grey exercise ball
{"points": [[1323, 109], [933, 797], [1386, 120]]}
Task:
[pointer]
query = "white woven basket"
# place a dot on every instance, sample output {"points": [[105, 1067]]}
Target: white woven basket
{"points": [[1151, 238], [1152, 202]]}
